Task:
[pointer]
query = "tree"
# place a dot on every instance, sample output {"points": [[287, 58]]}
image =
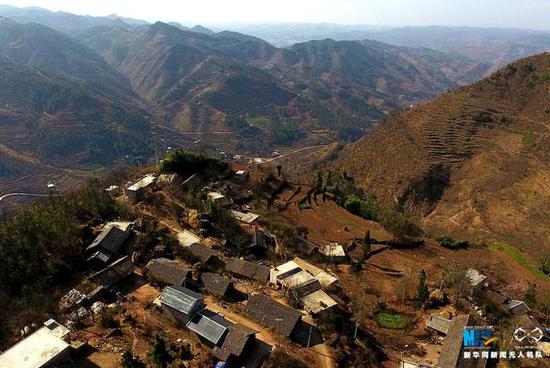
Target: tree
{"points": [[279, 170], [530, 295], [159, 355], [422, 289], [129, 361]]}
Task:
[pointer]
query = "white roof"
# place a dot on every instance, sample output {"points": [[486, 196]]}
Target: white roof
{"points": [[296, 279], [35, 351], [248, 217], [326, 279], [143, 182], [214, 196], [186, 238], [240, 172], [332, 250], [475, 277], [285, 268], [318, 301]]}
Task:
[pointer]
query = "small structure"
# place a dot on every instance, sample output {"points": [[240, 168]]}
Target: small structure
{"points": [[219, 199], [517, 307], [248, 270], [334, 251], [272, 314], [181, 303], [191, 182], [186, 238], [169, 180], [452, 345], [216, 284], [47, 347], [475, 278], [206, 255], [318, 302], [114, 272], [238, 342], [108, 242], [296, 265], [209, 326], [246, 217], [135, 191], [439, 324], [168, 272]]}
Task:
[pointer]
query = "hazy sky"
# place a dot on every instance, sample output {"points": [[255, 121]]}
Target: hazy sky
{"points": [[486, 13]]}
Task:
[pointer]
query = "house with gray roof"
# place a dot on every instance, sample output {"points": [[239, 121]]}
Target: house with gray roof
{"points": [[269, 313], [246, 269], [439, 324], [168, 272], [237, 342], [216, 284], [109, 241], [209, 326], [205, 255], [114, 272], [181, 303], [452, 345]]}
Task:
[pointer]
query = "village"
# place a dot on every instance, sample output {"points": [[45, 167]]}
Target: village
{"points": [[235, 267]]}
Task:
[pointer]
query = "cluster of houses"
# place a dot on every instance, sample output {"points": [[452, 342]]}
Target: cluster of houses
{"points": [[452, 329]]}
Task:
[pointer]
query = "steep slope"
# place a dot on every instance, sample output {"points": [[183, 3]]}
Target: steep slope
{"points": [[313, 92], [52, 51], [473, 162]]}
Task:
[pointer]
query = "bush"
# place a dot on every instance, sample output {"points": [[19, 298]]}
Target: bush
{"points": [[160, 356], [450, 243], [186, 163]]}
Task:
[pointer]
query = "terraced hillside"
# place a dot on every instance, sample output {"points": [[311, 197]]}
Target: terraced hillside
{"points": [[51, 129], [473, 162], [204, 81]]}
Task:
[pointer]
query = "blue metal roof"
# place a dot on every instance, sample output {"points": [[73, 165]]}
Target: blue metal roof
{"points": [[181, 299]]}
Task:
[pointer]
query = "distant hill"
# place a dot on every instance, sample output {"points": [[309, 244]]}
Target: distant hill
{"points": [[472, 162], [49, 50], [492, 46], [204, 82], [62, 21]]}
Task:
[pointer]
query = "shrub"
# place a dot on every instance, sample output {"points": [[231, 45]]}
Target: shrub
{"points": [[160, 356], [450, 243]]}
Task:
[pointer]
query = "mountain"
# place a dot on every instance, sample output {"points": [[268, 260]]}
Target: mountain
{"points": [[203, 30], [49, 50], [62, 21], [492, 46], [63, 111], [311, 93], [472, 162]]}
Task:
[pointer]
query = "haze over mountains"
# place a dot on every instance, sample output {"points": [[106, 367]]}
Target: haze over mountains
{"points": [[100, 82]]}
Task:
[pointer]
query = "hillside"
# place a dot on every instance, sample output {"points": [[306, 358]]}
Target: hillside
{"points": [[52, 129], [473, 162], [204, 81]]}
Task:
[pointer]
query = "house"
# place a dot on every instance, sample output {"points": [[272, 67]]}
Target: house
{"points": [[296, 265], [274, 315], [114, 272], [109, 241], [209, 326], [219, 199], [452, 345], [169, 180], [238, 342], [260, 241], [47, 347], [439, 324], [248, 270], [475, 278], [317, 302], [296, 280], [206, 255], [246, 217], [168, 272], [181, 303], [216, 284], [517, 307], [186, 238], [135, 191], [334, 251]]}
